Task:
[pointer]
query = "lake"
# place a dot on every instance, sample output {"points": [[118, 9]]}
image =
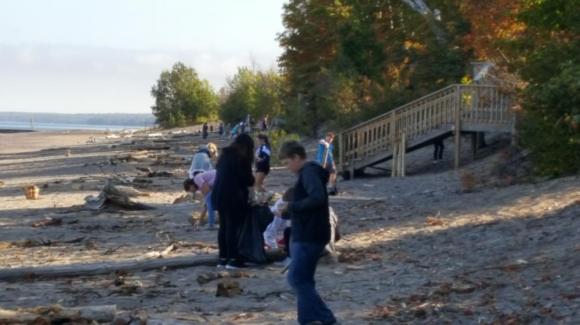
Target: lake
{"points": [[25, 126]]}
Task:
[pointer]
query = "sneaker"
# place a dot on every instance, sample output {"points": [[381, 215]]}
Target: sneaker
{"points": [[222, 263], [284, 263], [235, 265], [210, 227], [332, 191]]}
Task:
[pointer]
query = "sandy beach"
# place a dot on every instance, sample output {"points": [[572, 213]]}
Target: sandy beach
{"points": [[36, 141], [415, 250]]}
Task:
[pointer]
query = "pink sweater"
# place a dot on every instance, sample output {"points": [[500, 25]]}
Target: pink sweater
{"points": [[205, 177]]}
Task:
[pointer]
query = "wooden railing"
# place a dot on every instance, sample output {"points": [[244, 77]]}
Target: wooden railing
{"points": [[445, 109]]}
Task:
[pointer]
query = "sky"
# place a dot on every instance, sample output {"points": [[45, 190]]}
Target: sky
{"points": [[103, 56]]}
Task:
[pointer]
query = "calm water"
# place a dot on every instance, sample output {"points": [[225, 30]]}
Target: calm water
{"points": [[62, 126]]}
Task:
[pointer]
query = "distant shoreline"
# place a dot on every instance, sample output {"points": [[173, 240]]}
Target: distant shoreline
{"points": [[16, 127], [16, 131]]}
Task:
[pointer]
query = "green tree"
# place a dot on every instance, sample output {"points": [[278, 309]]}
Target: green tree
{"points": [[375, 54], [547, 57], [252, 92], [182, 98]]}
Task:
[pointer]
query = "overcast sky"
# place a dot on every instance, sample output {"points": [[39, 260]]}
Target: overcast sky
{"points": [[103, 56]]}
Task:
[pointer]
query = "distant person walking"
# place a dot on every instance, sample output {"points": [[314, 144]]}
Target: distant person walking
{"points": [[264, 124], [235, 131], [325, 158], [221, 129], [263, 154], [438, 148], [230, 197], [205, 131]]}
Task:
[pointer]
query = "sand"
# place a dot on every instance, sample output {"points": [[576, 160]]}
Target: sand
{"points": [[414, 250]]}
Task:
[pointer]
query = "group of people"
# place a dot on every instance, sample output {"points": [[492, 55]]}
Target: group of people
{"points": [[206, 129], [245, 125], [303, 214]]}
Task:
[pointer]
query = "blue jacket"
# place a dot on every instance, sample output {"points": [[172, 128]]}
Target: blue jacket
{"points": [[322, 145]]}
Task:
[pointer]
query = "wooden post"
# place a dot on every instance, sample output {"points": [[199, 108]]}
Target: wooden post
{"points": [[393, 144], [457, 125], [341, 146], [394, 160], [403, 153], [474, 144]]}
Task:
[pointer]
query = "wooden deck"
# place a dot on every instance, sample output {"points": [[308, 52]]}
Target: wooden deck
{"points": [[467, 108]]}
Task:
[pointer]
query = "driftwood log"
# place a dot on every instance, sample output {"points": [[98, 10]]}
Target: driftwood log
{"points": [[89, 269], [115, 197], [58, 314], [150, 147]]}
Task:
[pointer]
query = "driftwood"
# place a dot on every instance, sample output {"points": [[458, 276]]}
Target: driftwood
{"points": [[89, 269], [150, 147], [113, 196], [58, 314], [161, 173]]}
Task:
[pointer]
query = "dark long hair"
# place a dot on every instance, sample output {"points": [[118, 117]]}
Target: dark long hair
{"points": [[244, 145], [265, 138]]}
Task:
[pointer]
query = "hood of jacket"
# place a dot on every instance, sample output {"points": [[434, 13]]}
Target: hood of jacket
{"points": [[324, 174]]}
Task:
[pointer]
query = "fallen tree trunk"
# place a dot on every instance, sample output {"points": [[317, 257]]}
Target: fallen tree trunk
{"points": [[89, 269], [113, 196], [58, 314]]}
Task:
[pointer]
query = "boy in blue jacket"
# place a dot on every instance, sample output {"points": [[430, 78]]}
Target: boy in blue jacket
{"points": [[325, 157], [310, 232]]}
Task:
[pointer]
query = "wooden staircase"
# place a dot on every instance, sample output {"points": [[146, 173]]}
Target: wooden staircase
{"points": [[467, 108]]}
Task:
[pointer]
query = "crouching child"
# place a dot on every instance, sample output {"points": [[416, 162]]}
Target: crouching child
{"points": [[203, 182]]}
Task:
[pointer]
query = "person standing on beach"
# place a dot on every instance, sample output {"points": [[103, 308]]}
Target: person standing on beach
{"points": [[230, 197], [325, 158], [205, 131], [202, 159], [310, 230], [438, 148]]}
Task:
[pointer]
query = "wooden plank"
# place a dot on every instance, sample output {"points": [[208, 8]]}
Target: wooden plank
{"points": [[492, 106], [341, 146], [57, 315], [458, 111]]}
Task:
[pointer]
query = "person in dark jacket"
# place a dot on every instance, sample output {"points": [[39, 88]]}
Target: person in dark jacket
{"points": [[310, 232], [230, 197], [205, 130]]}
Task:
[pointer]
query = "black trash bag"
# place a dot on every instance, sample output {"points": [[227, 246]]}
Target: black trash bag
{"points": [[251, 244], [264, 216]]}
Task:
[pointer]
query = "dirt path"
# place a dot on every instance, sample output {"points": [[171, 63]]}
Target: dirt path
{"points": [[415, 250]]}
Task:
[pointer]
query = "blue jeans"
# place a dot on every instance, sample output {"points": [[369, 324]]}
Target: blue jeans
{"points": [[210, 210], [301, 278]]}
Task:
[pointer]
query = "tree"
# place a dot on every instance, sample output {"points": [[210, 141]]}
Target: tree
{"points": [[546, 56], [258, 93], [182, 98], [377, 53]]}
